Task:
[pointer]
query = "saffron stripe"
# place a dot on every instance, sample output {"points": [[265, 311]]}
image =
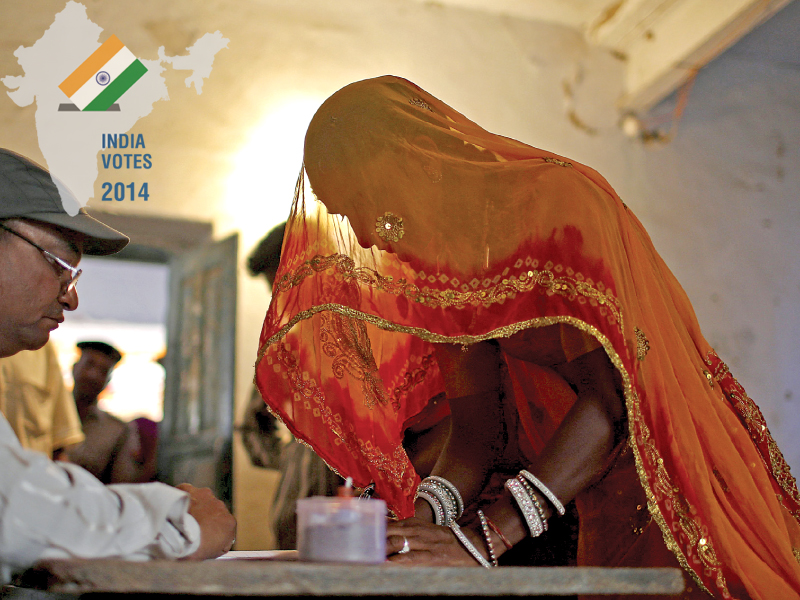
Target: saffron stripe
{"points": [[114, 67], [118, 87], [91, 65]]}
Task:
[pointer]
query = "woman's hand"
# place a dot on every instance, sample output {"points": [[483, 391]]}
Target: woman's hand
{"points": [[428, 544]]}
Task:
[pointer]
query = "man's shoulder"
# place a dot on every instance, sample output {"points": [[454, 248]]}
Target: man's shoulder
{"points": [[106, 420]]}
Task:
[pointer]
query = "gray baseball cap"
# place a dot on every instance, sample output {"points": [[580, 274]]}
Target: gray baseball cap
{"points": [[27, 191]]}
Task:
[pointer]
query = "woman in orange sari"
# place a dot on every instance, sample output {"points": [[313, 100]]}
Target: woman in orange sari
{"points": [[435, 256]]}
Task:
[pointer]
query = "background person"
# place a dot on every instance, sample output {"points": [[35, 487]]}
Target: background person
{"points": [[269, 445], [111, 447], [145, 449], [37, 404]]}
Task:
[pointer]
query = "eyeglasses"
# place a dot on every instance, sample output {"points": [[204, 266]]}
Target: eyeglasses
{"points": [[74, 272]]}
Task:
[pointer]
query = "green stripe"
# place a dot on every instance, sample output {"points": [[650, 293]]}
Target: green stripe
{"points": [[118, 87]]}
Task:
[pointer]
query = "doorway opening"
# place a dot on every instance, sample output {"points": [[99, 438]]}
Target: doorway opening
{"points": [[122, 303], [168, 303]]}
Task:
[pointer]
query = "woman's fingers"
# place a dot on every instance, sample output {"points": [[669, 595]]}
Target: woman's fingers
{"points": [[397, 543], [413, 541]]}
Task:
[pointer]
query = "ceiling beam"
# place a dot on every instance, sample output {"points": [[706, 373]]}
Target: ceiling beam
{"points": [[665, 42]]}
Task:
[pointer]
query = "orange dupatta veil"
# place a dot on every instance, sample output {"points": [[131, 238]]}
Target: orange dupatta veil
{"points": [[423, 228]]}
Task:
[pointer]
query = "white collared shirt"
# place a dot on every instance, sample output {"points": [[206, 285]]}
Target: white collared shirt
{"points": [[58, 510]]}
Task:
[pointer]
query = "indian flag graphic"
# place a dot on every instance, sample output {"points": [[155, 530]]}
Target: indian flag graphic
{"points": [[103, 77]]}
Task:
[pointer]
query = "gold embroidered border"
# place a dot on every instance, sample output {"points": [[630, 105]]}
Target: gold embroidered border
{"points": [[410, 380], [639, 431], [527, 281], [311, 390], [704, 546], [303, 442], [279, 417], [424, 334], [757, 427], [394, 467]]}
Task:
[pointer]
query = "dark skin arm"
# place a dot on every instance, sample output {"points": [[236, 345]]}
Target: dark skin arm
{"points": [[476, 431], [575, 454]]}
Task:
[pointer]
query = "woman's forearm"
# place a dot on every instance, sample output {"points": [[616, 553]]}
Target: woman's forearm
{"points": [[575, 454], [476, 438]]}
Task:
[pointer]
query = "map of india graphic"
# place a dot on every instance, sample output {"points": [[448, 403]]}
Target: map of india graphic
{"points": [[84, 88]]}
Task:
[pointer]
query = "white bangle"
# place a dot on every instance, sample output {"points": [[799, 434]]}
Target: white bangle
{"points": [[526, 507], [443, 497], [446, 494], [487, 535], [439, 515], [468, 545], [452, 489], [532, 494], [545, 491]]}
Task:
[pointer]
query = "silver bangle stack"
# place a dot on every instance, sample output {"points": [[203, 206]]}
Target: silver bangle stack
{"points": [[544, 490], [487, 535], [468, 545], [444, 498]]}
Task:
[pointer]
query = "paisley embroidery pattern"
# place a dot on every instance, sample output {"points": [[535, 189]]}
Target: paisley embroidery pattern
{"points": [[395, 467], [347, 342]]}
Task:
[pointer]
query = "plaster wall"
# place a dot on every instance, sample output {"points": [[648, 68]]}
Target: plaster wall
{"points": [[720, 200]]}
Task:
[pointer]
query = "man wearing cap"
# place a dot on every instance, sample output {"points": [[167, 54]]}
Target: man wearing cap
{"points": [[53, 509], [109, 448]]}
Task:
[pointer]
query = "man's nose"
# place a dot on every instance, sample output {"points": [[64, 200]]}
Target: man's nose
{"points": [[69, 299]]}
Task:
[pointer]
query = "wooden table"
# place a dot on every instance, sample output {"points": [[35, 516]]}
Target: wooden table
{"points": [[268, 577]]}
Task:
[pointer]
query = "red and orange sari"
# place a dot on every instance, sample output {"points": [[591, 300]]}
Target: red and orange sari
{"points": [[424, 228]]}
